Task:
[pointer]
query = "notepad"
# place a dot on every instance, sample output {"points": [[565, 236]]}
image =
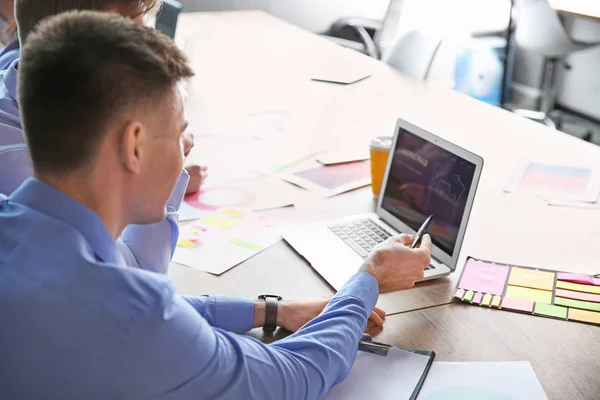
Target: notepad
{"points": [[375, 377], [550, 294]]}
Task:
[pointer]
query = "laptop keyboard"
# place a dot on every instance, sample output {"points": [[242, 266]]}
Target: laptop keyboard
{"points": [[361, 235]]}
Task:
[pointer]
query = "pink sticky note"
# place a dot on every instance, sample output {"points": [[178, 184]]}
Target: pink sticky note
{"points": [[459, 294], [578, 295], [265, 221], [484, 277], [578, 278], [517, 304], [477, 298], [200, 228]]}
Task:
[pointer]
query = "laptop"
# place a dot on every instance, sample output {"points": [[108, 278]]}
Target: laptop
{"points": [[425, 175]]}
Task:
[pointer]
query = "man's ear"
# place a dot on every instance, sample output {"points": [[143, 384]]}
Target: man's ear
{"points": [[133, 142]]}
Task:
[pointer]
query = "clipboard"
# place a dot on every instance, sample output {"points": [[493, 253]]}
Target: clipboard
{"points": [[368, 345]]}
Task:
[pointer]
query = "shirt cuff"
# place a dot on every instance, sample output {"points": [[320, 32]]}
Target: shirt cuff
{"points": [[362, 286], [234, 314], [178, 192]]}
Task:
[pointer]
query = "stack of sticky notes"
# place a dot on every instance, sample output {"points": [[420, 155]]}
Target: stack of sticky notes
{"points": [[572, 297]]}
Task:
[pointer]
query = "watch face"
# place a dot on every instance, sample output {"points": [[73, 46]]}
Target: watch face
{"points": [[274, 296]]}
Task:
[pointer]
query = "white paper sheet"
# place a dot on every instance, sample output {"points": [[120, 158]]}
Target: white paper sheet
{"points": [[253, 195], [330, 180], [565, 183], [375, 377], [484, 380], [219, 242]]}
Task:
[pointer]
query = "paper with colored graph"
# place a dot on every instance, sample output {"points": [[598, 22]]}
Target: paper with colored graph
{"points": [[256, 194], [224, 239], [559, 184], [482, 380], [330, 180]]}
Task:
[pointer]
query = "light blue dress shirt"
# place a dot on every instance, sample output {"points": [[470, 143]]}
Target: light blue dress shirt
{"points": [[149, 247], [76, 323], [9, 53]]}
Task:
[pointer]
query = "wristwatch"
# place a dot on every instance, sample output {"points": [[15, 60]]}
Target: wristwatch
{"points": [[271, 302]]}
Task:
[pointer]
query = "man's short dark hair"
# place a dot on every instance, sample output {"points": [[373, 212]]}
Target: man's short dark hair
{"points": [[81, 71], [29, 13]]}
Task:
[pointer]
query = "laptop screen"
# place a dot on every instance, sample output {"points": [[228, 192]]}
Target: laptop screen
{"points": [[425, 179]]}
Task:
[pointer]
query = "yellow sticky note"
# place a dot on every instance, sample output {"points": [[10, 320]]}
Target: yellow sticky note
{"points": [[531, 278], [487, 299], [186, 244], [584, 316], [535, 295], [219, 222], [233, 213], [247, 245], [496, 301], [578, 287]]}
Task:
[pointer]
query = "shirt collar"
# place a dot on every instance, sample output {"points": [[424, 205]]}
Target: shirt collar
{"points": [[39, 196], [10, 79]]}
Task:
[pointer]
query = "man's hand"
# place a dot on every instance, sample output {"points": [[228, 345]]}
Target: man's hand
{"points": [[187, 139], [293, 314], [395, 265], [198, 175]]}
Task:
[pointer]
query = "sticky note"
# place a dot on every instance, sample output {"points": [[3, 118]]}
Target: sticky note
{"points": [[531, 278], [584, 316], [187, 243], [578, 287], [468, 296], [487, 300], [484, 277], [550, 310], [233, 213], [578, 295], [584, 305], [534, 295], [477, 298], [219, 222], [517, 304], [265, 221], [459, 294], [496, 301], [578, 278], [246, 245], [200, 228]]}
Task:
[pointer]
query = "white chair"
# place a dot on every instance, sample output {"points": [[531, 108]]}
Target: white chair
{"points": [[540, 31], [413, 54]]}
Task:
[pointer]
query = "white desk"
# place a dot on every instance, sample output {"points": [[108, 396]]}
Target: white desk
{"points": [[248, 61]]}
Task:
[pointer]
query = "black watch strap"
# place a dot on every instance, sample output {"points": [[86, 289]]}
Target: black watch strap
{"points": [[271, 303]]}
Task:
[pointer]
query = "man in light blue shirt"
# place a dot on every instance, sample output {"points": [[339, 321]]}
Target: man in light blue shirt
{"points": [[75, 322], [149, 247]]}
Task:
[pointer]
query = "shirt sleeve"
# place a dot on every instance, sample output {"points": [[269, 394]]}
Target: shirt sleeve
{"points": [[175, 353], [15, 167], [234, 314], [152, 246]]}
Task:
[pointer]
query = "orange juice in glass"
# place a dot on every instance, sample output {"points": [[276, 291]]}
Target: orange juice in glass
{"points": [[380, 148]]}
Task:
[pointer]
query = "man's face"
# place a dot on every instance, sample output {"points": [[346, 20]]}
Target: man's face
{"points": [[162, 159]]}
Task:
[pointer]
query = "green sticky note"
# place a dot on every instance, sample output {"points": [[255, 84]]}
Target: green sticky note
{"points": [[578, 287], [219, 222], [534, 295], [469, 296], [584, 305], [487, 300], [550, 310], [246, 245]]}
